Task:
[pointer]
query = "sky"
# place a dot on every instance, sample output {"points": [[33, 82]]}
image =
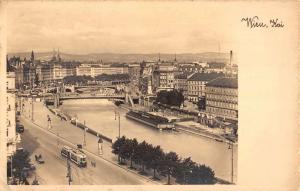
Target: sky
{"points": [[119, 27]]}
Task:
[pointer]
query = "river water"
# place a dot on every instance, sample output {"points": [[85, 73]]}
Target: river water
{"points": [[99, 114]]}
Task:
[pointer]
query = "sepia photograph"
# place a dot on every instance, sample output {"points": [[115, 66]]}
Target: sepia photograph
{"points": [[138, 93], [100, 95]]}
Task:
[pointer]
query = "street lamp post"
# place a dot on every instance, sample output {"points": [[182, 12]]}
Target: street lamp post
{"points": [[32, 108], [118, 114], [231, 147], [69, 175], [84, 131], [100, 146]]}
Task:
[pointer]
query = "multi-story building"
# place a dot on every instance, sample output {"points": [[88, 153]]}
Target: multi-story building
{"points": [[45, 72], [134, 71], [19, 74], [196, 84], [68, 69], [29, 71], [222, 98], [84, 70], [181, 84], [216, 67], [108, 69], [57, 71], [29, 74], [166, 76], [190, 68], [12, 136]]}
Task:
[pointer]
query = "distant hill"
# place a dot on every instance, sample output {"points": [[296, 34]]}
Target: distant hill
{"points": [[126, 58]]}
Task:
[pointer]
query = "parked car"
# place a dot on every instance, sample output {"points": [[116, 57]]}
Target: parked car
{"points": [[20, 128]]}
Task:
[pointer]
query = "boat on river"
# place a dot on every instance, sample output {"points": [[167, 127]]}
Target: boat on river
{"points": [[158, 122]]}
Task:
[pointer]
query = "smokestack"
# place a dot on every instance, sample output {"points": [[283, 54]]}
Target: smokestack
{"points": [[230, 62]]}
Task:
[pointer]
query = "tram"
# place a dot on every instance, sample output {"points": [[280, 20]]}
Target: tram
{"points": [[75, 155]]}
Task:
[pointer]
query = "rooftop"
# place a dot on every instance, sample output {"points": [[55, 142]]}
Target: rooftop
{"points": [[205, 76], [224, 83], [181, 76]]}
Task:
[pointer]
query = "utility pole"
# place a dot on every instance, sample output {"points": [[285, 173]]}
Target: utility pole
{"points": [[119, 126], [69, 176], [117, 113], [84, 131], [232, 163], [32, 108], [231, 147]]}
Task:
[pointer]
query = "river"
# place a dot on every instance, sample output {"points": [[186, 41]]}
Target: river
{"points": [[99, 114]]}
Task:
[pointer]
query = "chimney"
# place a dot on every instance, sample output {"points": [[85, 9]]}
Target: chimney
{"points": [[230, 62]]}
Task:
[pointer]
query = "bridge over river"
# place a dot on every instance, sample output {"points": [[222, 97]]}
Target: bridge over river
{"points": [[89, 96]]}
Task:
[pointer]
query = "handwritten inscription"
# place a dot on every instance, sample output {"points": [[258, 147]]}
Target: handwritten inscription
{"points": [[256, 22]]}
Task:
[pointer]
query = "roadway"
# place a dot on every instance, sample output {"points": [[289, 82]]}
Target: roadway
{"points": [[40, 141]]}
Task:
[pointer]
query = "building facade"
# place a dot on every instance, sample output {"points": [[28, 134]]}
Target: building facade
{"points": [[181, 84], [134, 71], [196, 84], [108, 69], [12, 136], [190, 68], [166, 76], [222, 98], [84, 70]]}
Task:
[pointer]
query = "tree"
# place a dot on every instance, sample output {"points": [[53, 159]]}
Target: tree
{"points": [[117, 146], [183, 170], [142, 154], [20, 160], [156, 156], [168, 164], [201, 174], [132, 149], [125, 149], [172, 98]]}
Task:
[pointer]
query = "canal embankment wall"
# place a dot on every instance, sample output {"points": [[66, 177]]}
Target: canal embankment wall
{"points": [[78, 124]]}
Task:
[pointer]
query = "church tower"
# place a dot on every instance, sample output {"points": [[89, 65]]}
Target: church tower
{"points": [[58, 56], [32, 56]]}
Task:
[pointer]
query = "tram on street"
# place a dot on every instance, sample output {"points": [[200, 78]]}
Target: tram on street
{"points": [[75, 155]]}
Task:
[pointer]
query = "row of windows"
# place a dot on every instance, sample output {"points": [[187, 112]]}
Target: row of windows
{"points": [[222, 105], [221, 90], [201, 88], [222, 97], [197, 82], [223, 112], [196, 93]]}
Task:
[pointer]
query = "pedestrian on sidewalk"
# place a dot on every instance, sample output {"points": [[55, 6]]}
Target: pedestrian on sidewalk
{"points": [[49, 122]]}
